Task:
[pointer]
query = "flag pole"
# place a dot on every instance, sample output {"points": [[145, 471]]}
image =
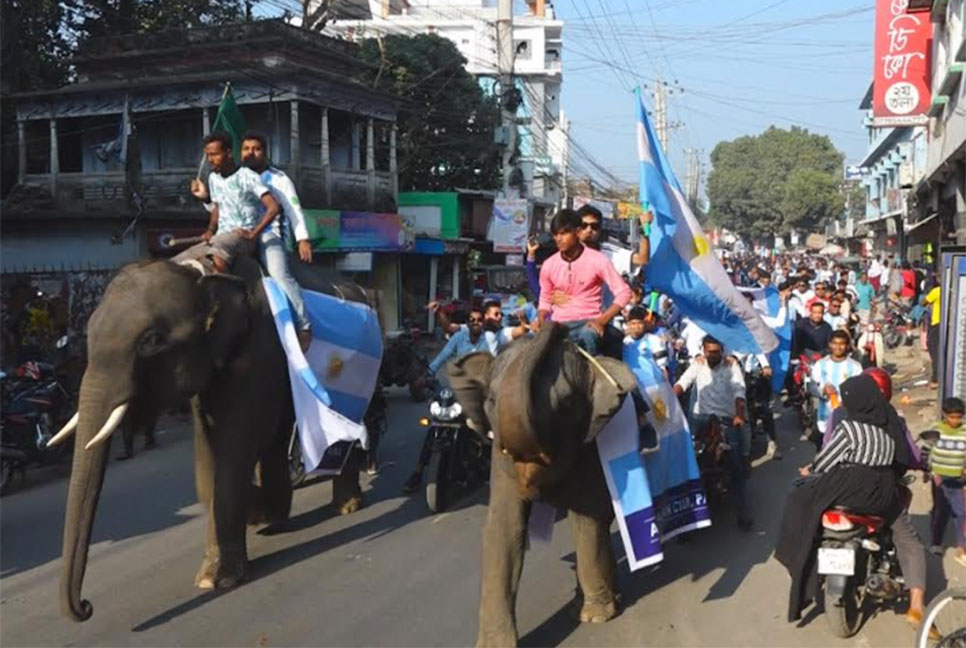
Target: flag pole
{"points": [[201, 165]]}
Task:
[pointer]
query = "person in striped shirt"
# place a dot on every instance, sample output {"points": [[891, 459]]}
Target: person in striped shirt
{"points": [[947, 462], [828, 374]]}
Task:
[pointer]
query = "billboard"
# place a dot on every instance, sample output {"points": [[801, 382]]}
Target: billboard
{"points": [[509, 224], [903, 44]]}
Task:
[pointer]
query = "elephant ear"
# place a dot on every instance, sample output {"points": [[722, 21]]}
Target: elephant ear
{"points": [[227, 315], [469, 378], [608, 392]]}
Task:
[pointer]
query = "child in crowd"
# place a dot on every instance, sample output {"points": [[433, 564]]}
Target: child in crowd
{"points": [[947, 463]]}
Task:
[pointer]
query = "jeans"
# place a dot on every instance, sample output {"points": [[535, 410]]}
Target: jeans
{"points": [[584, 336], [271, 253], [948, 501]]}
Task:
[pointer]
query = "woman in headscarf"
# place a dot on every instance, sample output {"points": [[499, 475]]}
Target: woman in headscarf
{"points": [[853, 470]]}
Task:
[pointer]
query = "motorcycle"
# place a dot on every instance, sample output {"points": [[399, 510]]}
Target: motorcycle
{"points": [[757, 396], [870, 345], [403, 363], [899, 329], [857, 563], [34, 406], [798, 395], [711, 451], [460, 457]]}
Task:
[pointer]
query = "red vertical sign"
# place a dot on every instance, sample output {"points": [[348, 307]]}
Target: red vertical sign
{"points": [[903, 46]]}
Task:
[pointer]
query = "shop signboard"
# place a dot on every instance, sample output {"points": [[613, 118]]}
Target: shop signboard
{"points": [[903, 45], [332, 230], [509, 224], [952, 343]]}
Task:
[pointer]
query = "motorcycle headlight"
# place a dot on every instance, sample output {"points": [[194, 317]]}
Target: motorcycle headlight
{"points": [[435, 408], [449, 413]]}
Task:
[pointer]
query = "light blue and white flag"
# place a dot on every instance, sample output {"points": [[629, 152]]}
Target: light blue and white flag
{"points": [[333, 381], [659, 495], [682, 264], [775, 315]]}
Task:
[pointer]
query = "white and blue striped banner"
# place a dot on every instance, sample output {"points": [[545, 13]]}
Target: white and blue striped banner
{"points": [[334, 380], [659, 495], [682, 264]]}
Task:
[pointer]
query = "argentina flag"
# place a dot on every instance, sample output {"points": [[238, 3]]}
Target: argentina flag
{"points": [[775, 315], [334, 380], [682, 265]]}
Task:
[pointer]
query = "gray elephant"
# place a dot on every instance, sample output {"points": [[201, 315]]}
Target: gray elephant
{"points": [[545, 403], [162, 333]]}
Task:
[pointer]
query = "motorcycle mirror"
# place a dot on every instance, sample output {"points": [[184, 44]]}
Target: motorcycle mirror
{"points": [[62, 342], [929, 435]]}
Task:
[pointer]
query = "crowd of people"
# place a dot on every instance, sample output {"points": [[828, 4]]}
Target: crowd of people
{"points": [[863, 445]]}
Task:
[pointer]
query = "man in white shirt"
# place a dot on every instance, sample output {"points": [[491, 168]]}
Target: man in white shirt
{"points": [[271, 246], [720, 392], [875, 273]]}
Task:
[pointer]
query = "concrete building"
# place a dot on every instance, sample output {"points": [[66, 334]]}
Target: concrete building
{"points": [[105, 162], [894, 163], [471, 26], [939, 216]]}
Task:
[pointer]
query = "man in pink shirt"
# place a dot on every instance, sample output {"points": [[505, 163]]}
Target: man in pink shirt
{"points": [[571, 283]]}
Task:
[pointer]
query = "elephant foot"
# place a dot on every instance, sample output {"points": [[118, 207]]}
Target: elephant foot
{"points": [[215, 574], [598, 612], [351, 505]]}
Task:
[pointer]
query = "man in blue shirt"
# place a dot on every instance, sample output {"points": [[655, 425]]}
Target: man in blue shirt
{"points": [[865, 293], [464, 340]]}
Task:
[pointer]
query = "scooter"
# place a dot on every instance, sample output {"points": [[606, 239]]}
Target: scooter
{"points": [[870, 345]]}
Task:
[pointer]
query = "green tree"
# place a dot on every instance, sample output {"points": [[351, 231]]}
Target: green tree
{"points": [[773, 182], [445, 119], [96, 18]]}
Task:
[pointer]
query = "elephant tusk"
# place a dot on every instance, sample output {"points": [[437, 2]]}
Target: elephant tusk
{"points": [[113, 421], [69, 428]]}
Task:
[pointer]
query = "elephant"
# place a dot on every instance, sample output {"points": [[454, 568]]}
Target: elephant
{"points": [[161, 333], [545, 402]]}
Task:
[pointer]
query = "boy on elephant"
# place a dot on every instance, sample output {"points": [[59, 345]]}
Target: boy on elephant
{"points": [[235, 194], [571, 285]]}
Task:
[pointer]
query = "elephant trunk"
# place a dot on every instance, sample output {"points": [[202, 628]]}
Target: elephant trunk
{"points": [[97, 405], [517, 412]]}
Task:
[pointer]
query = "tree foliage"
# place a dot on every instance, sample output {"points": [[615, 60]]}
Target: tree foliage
{"points": [[96, 18], [445, 119], [775, 182]]}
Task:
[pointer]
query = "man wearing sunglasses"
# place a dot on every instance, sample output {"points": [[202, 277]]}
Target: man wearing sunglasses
{"points": [[464, 340]]}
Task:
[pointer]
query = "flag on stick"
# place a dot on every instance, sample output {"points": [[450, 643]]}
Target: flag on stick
{"points": [[229, 121], [682, 264]]}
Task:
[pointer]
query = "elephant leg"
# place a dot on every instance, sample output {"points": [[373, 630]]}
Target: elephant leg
{"points": [[346, 491], [503, 547], [596, 567], [205, 487], [274, 496], [233, 478]]}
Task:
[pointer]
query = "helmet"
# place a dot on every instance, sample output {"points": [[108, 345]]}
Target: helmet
{"points": [[882, 381]]}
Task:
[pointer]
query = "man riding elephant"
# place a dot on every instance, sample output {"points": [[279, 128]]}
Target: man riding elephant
{"points": [[545, 402]]}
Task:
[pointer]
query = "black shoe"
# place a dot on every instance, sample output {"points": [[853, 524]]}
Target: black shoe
{"points": [[412, 484]]}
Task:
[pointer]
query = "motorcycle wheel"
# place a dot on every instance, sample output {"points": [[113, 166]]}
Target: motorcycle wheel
{"points": [[437, 488], [844, 616], [296, 467], [892, 339], [8, 468]]}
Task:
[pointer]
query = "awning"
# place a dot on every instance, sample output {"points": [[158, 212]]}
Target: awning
{"points": [[924, 231], [914, 226]]}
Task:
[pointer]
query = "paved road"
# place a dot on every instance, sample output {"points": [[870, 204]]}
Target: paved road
{"points": [[390, 575]]}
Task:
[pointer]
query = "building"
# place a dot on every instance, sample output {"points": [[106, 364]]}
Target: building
{"points": [[939, 215], [471, 26], [105, 162], [894, 163]]}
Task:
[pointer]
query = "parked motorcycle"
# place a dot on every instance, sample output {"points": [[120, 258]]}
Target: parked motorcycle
{"points": [[857, 564], [33, 406], [870, 345], [403, 363], [460, 458], [899, 329]]}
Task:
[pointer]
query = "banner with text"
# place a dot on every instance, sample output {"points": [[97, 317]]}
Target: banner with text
{"points": [[332, 230], [903, 46], [509, 224]]}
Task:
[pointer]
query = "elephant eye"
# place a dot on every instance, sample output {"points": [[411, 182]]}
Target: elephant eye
{"points": [[152, 342]]}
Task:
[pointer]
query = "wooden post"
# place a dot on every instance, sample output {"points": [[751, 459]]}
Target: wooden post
{"points": [[54, 157], [295, 159], [393, 166], [21, 151], [326, 158], [355, 161], [370, 163], [206, 121], [455, 294]]}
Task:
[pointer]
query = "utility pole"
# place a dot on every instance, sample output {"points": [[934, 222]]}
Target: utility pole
{"points": [[693, 181], [508, 103], [660, 113]]}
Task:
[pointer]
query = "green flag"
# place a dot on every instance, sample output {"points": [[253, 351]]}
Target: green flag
{"points": [[230, 121]]}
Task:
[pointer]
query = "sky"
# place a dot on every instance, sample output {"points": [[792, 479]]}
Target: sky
{"points": [[735, 67]]}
